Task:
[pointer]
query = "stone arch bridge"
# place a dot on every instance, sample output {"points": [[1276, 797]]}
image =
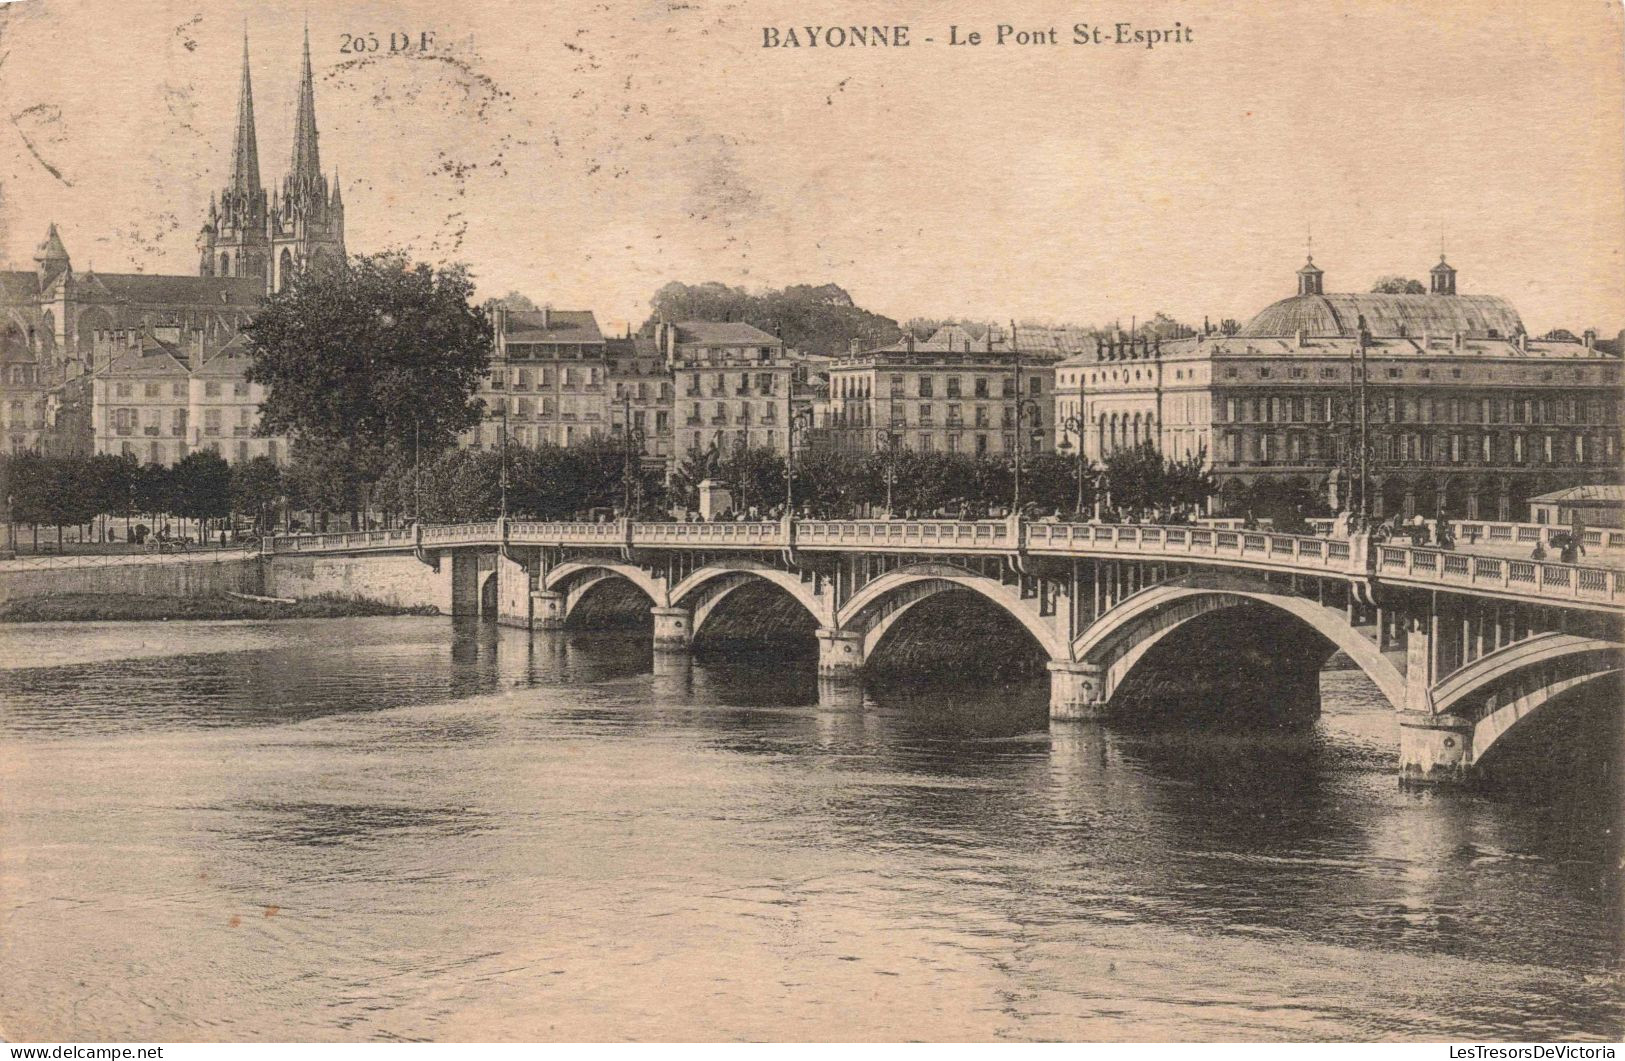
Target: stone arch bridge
{"points": [[1465, 646]]}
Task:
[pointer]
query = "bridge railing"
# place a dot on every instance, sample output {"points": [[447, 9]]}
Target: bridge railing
{"points": [[340, 541], [1469, 532], [1293, 551], [912, 534], [567, 532], [1534, 578], [755, 534], [456, 533]]}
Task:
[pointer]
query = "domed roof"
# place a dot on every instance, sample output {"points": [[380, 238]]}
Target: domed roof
{"points": [[1389, 315]]}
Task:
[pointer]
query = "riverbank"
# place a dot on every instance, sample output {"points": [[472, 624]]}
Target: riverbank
{"points": [[92, 607]]}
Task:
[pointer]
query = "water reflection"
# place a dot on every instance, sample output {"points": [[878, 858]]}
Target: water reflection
{"points": [[407, 828]]}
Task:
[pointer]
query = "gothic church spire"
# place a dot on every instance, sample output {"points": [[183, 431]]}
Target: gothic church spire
{"points": [[306, 170], [245, 154]]}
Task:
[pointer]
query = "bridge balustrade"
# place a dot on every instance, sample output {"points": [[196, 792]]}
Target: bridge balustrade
{"points": [[755, 534], [460, 532], [1277, 550], [921, 534], [1521, 577], [1470, 531]]}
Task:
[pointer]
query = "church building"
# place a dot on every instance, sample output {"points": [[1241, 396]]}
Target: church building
{"points": [[71, 339]]}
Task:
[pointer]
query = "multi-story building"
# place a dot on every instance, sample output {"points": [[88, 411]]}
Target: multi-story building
{"points": [[1465, 413], [947, 394], [142, 400], [24, 399], [733, 385], [225, 408], [641, 392], [548, 380], [163, 395]]}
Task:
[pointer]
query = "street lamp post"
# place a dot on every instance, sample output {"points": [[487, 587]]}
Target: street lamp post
{"points": [[886, 441], [1073, 425], [1023, 406], [801, 421], [632, 459]]}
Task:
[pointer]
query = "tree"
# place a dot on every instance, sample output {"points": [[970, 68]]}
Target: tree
{"points": [[819, 319], [113, 483], [371, 359], [256, 486], [1397, 285], [202, 486], [513, 300]]}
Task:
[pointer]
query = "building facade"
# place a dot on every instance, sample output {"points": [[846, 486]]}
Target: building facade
{"points": [[548, 382], [947, 394], [733, 385], [641, 395], [163, 395], [1464, 412]]}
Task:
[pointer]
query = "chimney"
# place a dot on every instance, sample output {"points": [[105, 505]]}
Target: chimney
{"points": [[1301, 341], [1455, 340], [909, 341], [1591, 338], [1523, 342], [547, 317], [852, 346]]}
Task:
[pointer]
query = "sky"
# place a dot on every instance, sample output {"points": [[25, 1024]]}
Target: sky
{"points": [[587, 153]]}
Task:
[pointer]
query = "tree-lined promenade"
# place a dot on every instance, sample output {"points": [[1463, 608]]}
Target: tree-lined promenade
{"points": [[203, 496], [371, 368]]}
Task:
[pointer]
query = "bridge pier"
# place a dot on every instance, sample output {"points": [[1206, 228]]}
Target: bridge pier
{"points": [[840, 652], [1077, 692], [1433, 749], [674, 628], [547, 610]]}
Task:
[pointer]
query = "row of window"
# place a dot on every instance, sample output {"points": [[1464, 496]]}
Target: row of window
{"points": [[1542, 374], [553, 351], [211, 389], [1412, 409], [925, 415], [522, 379], [159, 452], [722, 383], [1245, 447], [127, 421], [925, 386]]}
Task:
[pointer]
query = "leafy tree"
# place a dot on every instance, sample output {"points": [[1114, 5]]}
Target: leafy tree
{"points": [[1397, 285], [153, 488], [1229, 326], [112, 480], [256, 486], [202, 486], [818, 319], [368, 360]]}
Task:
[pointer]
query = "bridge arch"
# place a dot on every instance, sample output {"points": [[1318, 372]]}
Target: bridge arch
{"points": [[577, 578], [1507, 688], [1121, 637], [708, 587], [877, 606]]}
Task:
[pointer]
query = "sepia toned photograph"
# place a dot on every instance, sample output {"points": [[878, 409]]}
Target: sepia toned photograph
{"points": [[715, 521]]}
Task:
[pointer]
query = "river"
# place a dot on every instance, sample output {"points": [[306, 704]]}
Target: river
{"points": [[410, 828]]}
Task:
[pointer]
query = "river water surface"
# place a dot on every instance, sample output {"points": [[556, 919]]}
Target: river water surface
{"points": [[419, 829]]}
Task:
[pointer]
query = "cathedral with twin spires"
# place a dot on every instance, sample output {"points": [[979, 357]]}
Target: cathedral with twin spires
{"points": [[271, 237]]}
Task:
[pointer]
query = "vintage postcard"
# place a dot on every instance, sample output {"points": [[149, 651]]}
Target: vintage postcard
{"points": [[697, 521]]}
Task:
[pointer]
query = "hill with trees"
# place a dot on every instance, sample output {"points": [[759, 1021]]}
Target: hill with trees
{"points": [[820, 319]]}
